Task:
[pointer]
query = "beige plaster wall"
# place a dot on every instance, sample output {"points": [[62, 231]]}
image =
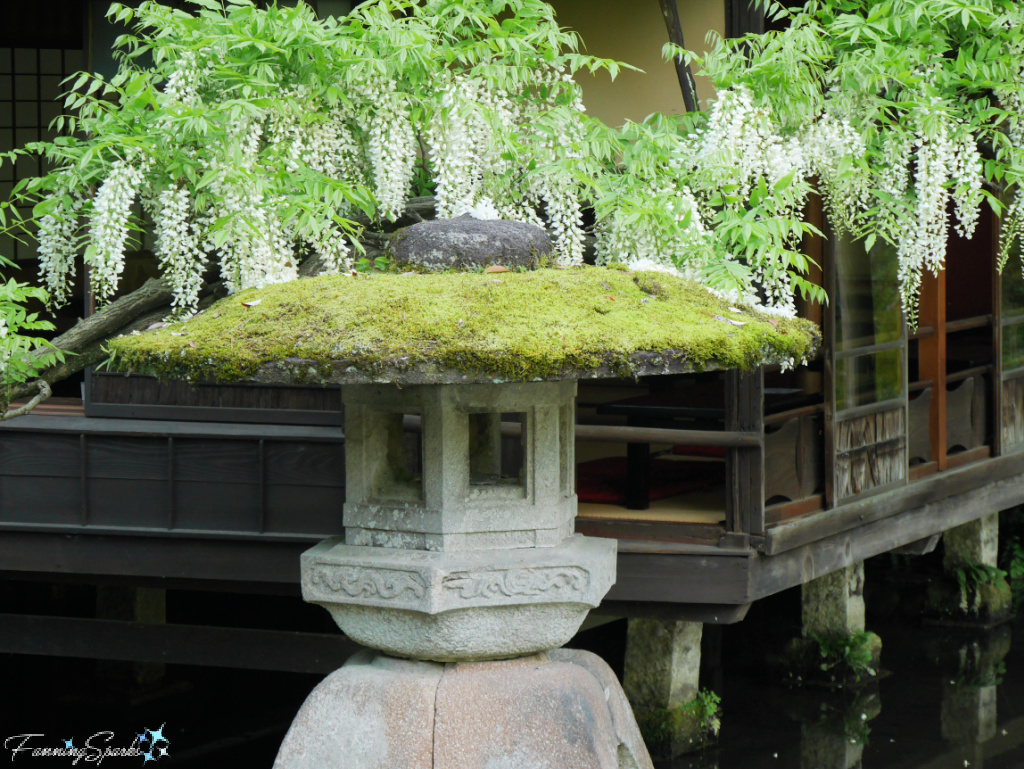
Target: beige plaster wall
{"points": [[634, 31]]}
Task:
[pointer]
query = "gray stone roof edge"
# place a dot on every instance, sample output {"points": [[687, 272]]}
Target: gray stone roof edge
{"points": [[291, 371]]}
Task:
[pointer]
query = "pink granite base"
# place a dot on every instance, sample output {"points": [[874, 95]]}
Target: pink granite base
{"points": [[564, 708]]}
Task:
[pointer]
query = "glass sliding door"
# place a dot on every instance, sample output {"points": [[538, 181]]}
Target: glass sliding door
{"points": [[1011, 354], [866, 369]]}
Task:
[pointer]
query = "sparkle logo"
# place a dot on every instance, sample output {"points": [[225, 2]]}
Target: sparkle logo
{"points": [[154, 742], [149, 745]]}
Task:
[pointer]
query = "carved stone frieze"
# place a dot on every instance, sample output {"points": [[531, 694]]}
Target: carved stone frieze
{"points": [[360, 582], [579, 572], [564, 583]]}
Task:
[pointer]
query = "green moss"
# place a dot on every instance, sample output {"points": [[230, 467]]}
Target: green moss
{"points": [[836, 660], [547, 323], [692, 726]]}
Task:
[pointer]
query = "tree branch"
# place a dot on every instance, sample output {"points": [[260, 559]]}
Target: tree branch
{"points": [[84, 342], [675, 35], [44, 393]]}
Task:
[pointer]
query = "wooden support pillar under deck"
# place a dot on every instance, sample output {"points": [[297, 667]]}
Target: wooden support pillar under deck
{"points": [[932, 360], [996, 423], [744, 468]]}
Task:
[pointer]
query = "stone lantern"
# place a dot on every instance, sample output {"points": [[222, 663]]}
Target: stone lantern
{"points": [[459, 561], [458, 567], [474, 573]]}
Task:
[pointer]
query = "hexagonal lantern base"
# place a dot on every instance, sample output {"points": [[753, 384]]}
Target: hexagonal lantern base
{"points": [[462, 605]]}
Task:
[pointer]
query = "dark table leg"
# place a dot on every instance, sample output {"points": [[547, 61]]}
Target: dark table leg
{"points": [[638, 476]]}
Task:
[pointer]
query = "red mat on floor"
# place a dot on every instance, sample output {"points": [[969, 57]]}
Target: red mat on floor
{"points": [[603, 481]]}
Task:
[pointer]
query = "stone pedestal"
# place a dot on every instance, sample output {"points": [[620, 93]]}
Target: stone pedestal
{"points": [[459, 556], [662, 677], [977, 542], [834, 603], [544, 711], [832, 613], [972, 592]]}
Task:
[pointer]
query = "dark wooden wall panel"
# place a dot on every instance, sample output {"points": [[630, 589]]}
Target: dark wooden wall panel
{"points": [[217, 506], [40, 454], [304, 510], [120, 502], [148, 479], [138, 459], [214, 461], [310, 464], [180, 400], [26, 499]]}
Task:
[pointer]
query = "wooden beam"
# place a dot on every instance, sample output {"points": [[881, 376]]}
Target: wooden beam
{"points": [[932, 358], [921, 547], [616, 434], [943, 486], [223, 647], [152, 554], [916, 521], [636, 434], [683, 578], [160, 429], [687, 84], [705, 613]]}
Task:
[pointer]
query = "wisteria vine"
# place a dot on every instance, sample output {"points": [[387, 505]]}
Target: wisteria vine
{"points": [[257, 137]]}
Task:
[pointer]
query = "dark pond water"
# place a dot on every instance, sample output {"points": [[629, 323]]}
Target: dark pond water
{"points": [[950, 699]]}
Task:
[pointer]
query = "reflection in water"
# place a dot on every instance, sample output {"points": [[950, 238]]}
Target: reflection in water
{"points": [[834, 737], [953, 699]]}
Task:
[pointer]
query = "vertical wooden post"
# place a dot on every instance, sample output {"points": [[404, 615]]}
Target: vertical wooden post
{"points": [[744, 467], [171, 483], [932, 357], [83, 475], [828, 343], [997, 343]]}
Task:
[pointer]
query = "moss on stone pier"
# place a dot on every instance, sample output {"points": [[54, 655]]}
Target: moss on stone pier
{"points": [[545, 324]]}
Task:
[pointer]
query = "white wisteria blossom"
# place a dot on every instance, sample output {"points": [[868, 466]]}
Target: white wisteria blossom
{"points": [[255, 138], [178, 246], [110, 224], [57, 247]]}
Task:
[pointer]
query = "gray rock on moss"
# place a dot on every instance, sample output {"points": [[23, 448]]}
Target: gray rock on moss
{"points": [[465, 243]]}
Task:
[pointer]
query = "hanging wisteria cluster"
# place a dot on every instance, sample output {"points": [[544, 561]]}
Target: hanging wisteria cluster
{"points": [[867, 104], [247, 152], [259, 137]]}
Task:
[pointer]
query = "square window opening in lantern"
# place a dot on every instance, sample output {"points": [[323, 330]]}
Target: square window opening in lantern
{"points": [[400, 475], [496, 449]]}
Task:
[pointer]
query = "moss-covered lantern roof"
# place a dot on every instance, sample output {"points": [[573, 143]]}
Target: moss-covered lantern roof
{"points": [[412, 328]]}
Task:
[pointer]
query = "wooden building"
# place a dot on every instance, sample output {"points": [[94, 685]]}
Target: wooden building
{"points": [[721, 488]]}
